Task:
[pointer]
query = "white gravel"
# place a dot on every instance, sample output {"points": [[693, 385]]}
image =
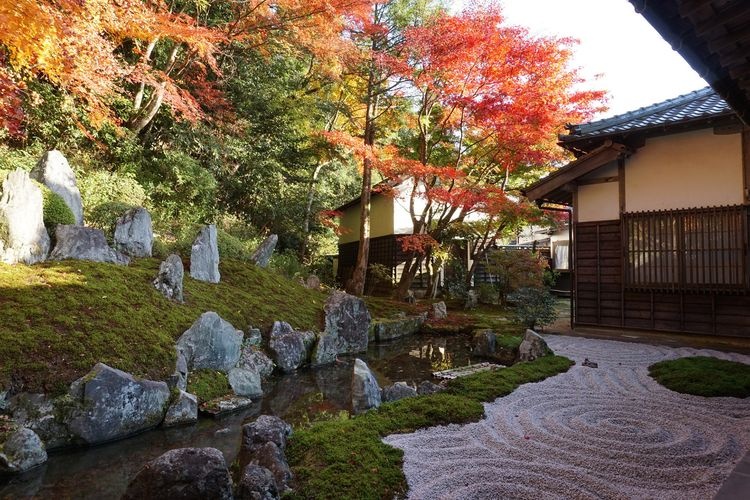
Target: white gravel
{"points": [[607, 432]]}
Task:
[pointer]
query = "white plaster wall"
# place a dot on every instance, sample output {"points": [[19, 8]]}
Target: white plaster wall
{"points": [[692, 169]]}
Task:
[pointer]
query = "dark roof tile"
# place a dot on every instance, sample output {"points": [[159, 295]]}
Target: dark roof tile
{"points": [[695, 105]]}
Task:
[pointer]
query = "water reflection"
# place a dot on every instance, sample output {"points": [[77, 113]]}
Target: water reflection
{"points": [[103, 472]]}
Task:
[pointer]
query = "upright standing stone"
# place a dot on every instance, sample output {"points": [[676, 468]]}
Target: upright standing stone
{"points": [[532, 347], [347, 319], [262, 255], [169, 279], [54, 172], [133, 233], [204, 256], [84, 243], [439, 311], [23, 237], [365, 389]]}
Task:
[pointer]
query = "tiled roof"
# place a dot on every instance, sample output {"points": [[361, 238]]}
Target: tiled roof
{"points": [[699, 104]]}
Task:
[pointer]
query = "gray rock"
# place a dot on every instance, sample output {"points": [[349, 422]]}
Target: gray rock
{"points": [[347, 319], [178, 379], [112, 404], [532, 347], [182, 411], [170, 277], [245, 382], [312, 282], [326, 350], [204, 256], [84, 243], [133, 233], [388, 329], [365, 389], [589, 364], [264, 429], [53, 171], [399, 390], [262, 255], [44, 415], [472, 300], [257, 483], [410, 298], [183, 474], [4, 403], [439, 311], [230, 404], [290, 349], [253, 337], [23, 237], [252, 358], [484, 343], [211, 344], [270, 456], [21, 451], [426, 387]]}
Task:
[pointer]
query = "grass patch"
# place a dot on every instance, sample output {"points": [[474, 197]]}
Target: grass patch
{"points": [[208, 385], [703, 376], [345, 458], [381, 307], [61, 318]]}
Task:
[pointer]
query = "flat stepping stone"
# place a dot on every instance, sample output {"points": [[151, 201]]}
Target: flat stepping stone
{"points": [[466, 370], [226, 404]]}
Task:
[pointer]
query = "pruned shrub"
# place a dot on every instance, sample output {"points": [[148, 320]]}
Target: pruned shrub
{"points": [[56, 211], [533, 306], [104, 216]]}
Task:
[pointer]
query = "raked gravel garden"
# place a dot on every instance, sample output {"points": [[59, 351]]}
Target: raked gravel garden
{"points": [[605, 432]]}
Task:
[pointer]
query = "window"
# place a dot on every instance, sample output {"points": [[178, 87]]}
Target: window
{"points": [[693, 249]]}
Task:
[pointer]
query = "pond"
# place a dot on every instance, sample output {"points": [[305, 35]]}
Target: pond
{"points": [[104, 471]]}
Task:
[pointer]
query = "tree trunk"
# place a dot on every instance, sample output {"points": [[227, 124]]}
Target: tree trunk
{"points": [[357, 284], [142, 119], [407, 277], [308, 211]]}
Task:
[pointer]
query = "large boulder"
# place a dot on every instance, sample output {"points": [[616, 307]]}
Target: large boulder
{"points": [[204, 256], [484, 343], [183, 410], [245, 382], [23, 237], [348, 320], [253, 359], [264, 429], [183, 474], [262, 255], [439, 311], [170, 277], [133, 233], [257, 483], [532, 347], [290, 349], [84, 243], [365, 389], [211, 344], [112, 404], [326, 349], [53, 171], [22, 450], [399, 390]]}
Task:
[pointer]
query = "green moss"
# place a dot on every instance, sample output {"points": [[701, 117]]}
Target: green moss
{"points": [[208, 385], [703, 376], [345, 458], [61, 318], [56, 211], [511, 342]]}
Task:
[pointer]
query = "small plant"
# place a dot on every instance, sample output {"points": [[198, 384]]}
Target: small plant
{"points": [[488, 293], [377, 275], [455, 286], [56, 211], [514, 269], [104, 216], [533, 306]]}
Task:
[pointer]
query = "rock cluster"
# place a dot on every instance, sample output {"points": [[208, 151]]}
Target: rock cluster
{"points": [[84, 243], [263, 446]]}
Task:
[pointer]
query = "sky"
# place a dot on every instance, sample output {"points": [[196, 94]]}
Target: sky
{"points": [[634, 63]]}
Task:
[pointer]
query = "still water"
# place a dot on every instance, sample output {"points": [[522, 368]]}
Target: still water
{"points": [[103, 472]]}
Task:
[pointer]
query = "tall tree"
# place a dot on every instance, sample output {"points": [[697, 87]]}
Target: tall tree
{"points": [[490, 100]]}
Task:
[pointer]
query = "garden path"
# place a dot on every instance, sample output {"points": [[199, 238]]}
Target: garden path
{"points": [[606, 432]]}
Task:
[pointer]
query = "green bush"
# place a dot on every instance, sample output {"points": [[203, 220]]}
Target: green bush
{"points": [[159, 249], [488, 293], [56, 211], [514, 269], [533, 306], [287, 264], [102, 188], [105, 215]]}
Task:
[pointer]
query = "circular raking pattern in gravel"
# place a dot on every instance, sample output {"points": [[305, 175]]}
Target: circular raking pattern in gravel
{"points": [[607, 432]]}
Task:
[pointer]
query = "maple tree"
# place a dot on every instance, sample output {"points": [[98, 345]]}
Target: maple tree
{"points": [[489, 100]]}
